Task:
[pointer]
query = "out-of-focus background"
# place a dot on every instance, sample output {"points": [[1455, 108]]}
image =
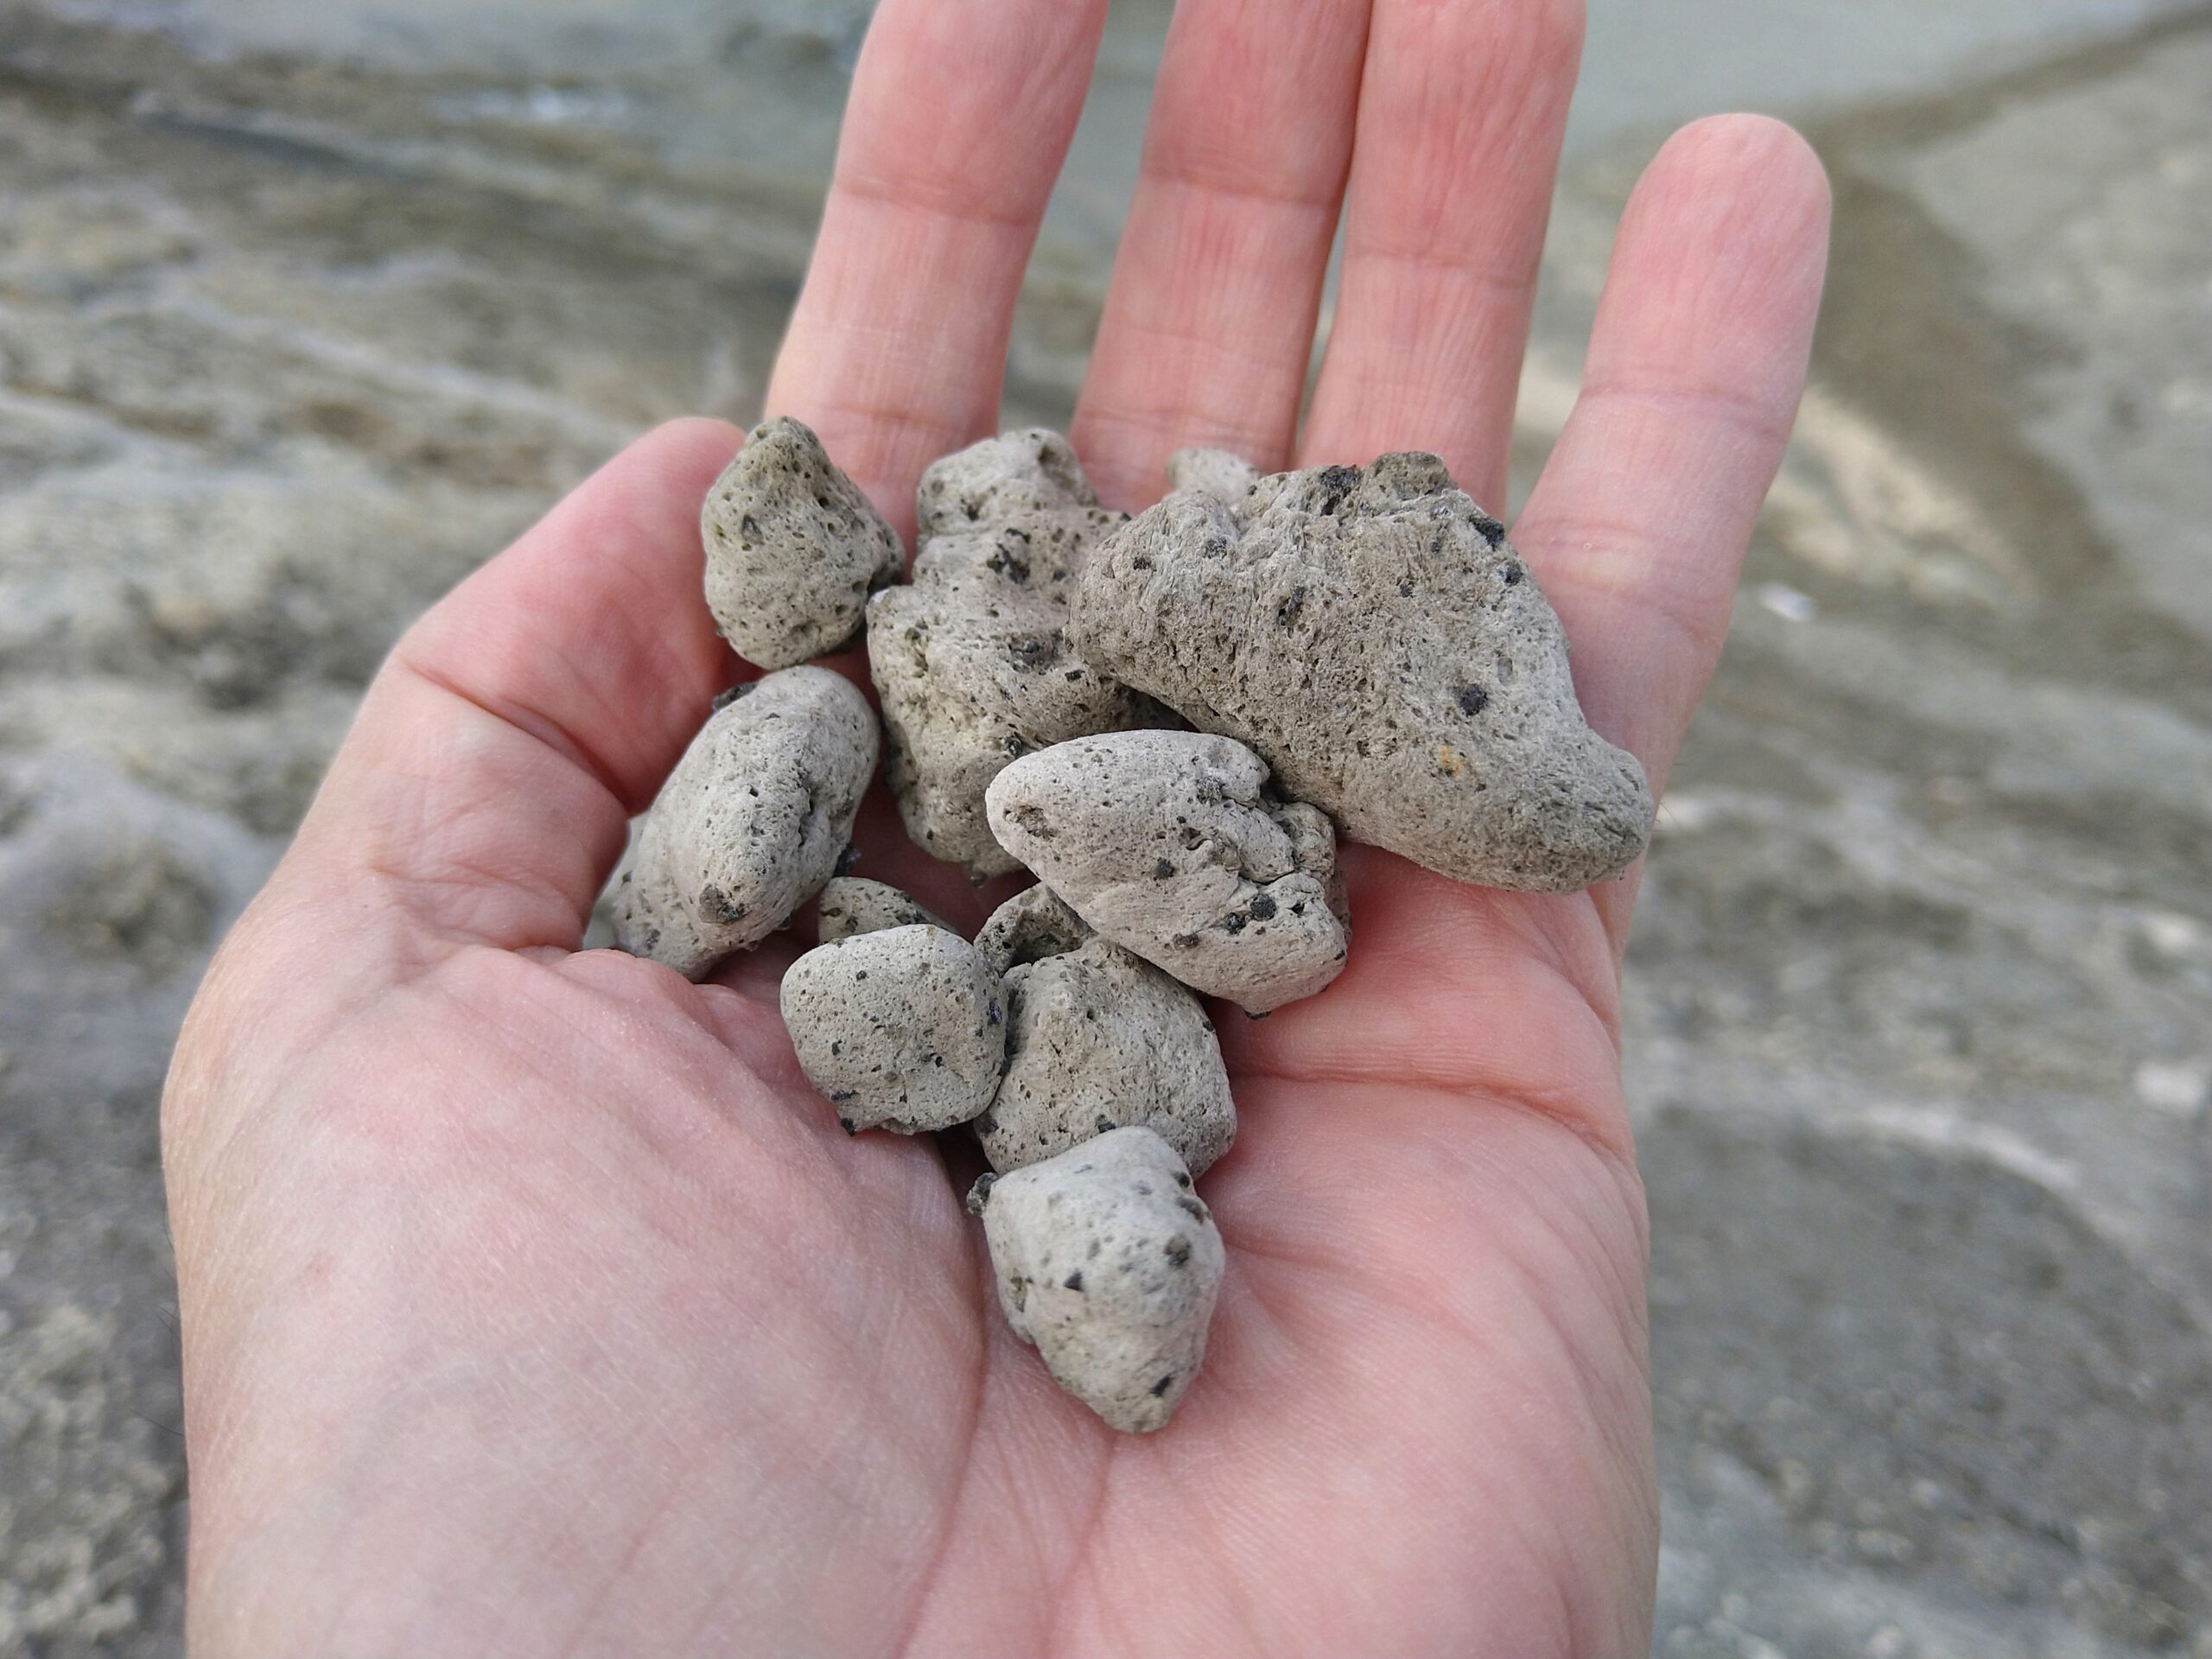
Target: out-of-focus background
{"points": [[306, 305]]}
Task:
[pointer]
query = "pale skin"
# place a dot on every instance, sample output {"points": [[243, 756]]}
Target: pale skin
{"points": [[532, 1302]]}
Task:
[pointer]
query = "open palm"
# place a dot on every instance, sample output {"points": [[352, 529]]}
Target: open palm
{"points": [[534, 1304]]}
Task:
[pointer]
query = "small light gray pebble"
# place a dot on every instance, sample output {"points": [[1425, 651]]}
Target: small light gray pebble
{"points": [[1375, 637], [1034, 924], [971, 659], [794, 549], [1012, 479], [752, 822], [1226, 476], [903, 1029], [1108, 1262], [853, 904], [1169, 843], [1098, 1039]]}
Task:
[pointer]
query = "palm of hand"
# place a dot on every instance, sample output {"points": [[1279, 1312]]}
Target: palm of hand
{"points": [[534, 1302]]}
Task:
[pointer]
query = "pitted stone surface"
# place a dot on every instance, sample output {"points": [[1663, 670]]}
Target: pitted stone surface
{"points": [[853, 904], [1098, 1039], [1170, 845], [903, 1029], [1226, 476], [1374, 636], [752, 822], [1109, 1263], [972, 660], [1034, 924], [793, 548]]}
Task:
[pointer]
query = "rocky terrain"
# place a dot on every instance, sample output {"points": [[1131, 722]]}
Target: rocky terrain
{"points": [[1920, 1007]]}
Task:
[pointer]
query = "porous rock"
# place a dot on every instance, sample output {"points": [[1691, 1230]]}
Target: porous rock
{"points": [[1109, 1263], [752, 822], [1171, 843], [853, 904], [971, 659], [1217, 472], [903, 1029], [1098, 1039], [1375, 637], [1022, 478], [1034, 924], [794, 549]]}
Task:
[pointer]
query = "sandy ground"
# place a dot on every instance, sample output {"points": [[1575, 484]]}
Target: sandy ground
{"points": [[1920, 1009]]}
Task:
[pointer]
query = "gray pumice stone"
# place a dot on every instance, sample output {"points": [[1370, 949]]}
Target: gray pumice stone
{"points": [[793, 548], [903, 1029], [1034, 924], [971, 659], [751, 823], [1374, 636], [853, 904], [1217, 472], [1097, 1038], [1108, 1262], [1171, 843]]}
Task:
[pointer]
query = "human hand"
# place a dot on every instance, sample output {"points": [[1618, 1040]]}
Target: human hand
{"points": [[534, 1304]]}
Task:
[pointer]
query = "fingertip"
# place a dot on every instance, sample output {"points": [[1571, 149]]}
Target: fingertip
{"points": [[690, 449], [1761, 169]]}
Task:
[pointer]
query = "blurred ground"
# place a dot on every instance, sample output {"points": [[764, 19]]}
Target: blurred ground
{"points": [[1920, 1011]]}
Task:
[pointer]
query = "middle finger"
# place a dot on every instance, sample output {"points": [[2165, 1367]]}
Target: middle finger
{"points": [[1462, 114], [1209, 322]]}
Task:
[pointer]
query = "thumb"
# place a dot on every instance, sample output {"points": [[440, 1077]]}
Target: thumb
{"points": [[483, 793]]}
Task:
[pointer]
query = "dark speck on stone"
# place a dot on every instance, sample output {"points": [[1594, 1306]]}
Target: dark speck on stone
{"points": [[1234, 923], [1178, 1250], [1074, 1281], [849, 1125], [1287, 613], [1162, 870], [1262, 907], [1163, 1385], [1474, 699], [1405, 590], [1513, 574], [862, 974]]}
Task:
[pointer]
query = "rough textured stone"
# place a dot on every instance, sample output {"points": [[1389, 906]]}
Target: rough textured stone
{"points": [[752, 822], [972, 659], [1170, 843], [1017, 480], [1228, 477], [1099, 1039], [853, 904], [793, 548], [1034, 924], [902, 1029], [1919, 863], [1109, 1263], [1375, 637]]}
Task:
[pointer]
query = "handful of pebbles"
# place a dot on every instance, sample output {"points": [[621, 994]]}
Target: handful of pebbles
{"points": [[1168, 719]]}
